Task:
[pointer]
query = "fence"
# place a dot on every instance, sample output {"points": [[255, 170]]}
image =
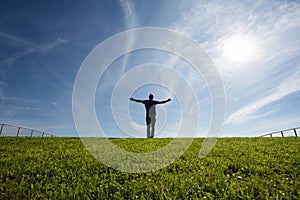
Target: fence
{"points": [[13, 130], [283, 133]]}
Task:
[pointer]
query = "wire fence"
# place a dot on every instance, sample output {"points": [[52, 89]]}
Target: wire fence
{"points": [[20, 131], [291, 132]]}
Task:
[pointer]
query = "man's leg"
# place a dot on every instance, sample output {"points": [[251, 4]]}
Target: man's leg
{"points": [[153, 120], [148, 122]]}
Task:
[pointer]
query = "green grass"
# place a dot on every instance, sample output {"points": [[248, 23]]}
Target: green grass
{"points": [[237, 168]]}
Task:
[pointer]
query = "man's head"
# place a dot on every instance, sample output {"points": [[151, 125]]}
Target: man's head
{"points": [[151, 96]]}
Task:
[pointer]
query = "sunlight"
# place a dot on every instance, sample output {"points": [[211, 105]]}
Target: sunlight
{"points": [[239, 48]]}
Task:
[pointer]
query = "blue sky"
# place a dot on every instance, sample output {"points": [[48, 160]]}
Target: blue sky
{"points": [[254, 45]]}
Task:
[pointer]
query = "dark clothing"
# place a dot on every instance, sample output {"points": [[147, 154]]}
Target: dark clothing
{"points": [[148, 120], [150, 107]]}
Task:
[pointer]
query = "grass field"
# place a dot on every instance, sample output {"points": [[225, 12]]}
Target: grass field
{"points": [[237, 168]]}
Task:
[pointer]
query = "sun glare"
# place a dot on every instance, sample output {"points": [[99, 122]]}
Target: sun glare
{"points": [[239, 48]]}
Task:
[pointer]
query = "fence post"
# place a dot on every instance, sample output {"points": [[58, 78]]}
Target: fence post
{"points": [[18, 131], [294, 131], [31, 133], [281, 133], [1, 129]]}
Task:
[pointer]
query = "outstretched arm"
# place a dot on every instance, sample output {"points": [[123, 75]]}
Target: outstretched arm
{"points": [[136, 100], [165, 101]]}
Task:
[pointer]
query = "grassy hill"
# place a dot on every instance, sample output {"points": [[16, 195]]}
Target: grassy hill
{"points": [[237, 168]]}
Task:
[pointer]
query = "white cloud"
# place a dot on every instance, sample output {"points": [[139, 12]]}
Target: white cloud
{"points": [[129, 13], [11, 111], [33, 49], [16, 39], [274, 26], [59, 41], [290, 86], [130, 22]]}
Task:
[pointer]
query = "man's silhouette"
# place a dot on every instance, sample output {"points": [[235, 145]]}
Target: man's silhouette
{"points": [[150, 106]]}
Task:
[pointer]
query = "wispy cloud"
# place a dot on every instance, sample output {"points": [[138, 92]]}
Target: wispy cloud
{"points": [[130, 22], [267, 77], [129, 13], [16, 39], [59, 41], [250, 111], [33, 49], [11, 107]]}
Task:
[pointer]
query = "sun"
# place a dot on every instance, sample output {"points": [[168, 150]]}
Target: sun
{"points": [[239, 48]]}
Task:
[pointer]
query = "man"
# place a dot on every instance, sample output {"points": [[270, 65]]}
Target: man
{"points": [[150, 106]]}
